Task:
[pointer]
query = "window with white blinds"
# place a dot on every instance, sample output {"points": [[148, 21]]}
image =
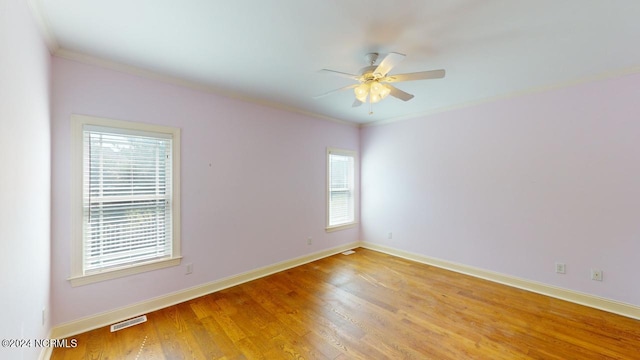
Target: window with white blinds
{"points": [[128, 196], [340, 189]]}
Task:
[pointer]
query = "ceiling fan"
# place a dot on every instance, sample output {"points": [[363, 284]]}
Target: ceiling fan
{"points": [[374, 81]]}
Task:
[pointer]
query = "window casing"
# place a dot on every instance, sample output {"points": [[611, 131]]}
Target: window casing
{"points": [[341, 194], [126, 201]]}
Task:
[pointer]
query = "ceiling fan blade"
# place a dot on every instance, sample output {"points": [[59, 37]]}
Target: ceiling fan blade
{"points": [[356, 103], [422, 75], [397, 93], [389, 61], [341, 74], [336, 90]]}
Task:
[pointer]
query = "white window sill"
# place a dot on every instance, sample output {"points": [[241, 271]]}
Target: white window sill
{"points": [[123, 271], [341, 227]]}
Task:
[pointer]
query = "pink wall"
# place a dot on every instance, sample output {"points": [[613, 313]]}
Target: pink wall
{"points": [[516, 185], [255, 205], [24, 179], [510, 186]]}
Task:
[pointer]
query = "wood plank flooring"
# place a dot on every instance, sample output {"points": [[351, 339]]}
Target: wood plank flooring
{"points": [[368, 305]]}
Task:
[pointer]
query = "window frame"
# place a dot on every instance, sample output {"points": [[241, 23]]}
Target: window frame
{"points": [[78, 276], [354, 155]]}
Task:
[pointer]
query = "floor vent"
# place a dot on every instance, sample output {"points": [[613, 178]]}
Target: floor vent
{"points": [[348, 252], [128, 323]]}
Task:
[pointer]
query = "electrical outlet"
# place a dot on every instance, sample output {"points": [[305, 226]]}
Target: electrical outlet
{"points": [[390, 236], [189, 268], [596, 274], [309, 241], [561, 268]]}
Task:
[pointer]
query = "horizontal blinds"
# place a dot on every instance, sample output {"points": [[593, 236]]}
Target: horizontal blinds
{"points": [[126, 197], [341, 197]]}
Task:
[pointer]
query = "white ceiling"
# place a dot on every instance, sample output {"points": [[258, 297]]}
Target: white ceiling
{"points": [[271, 50]]}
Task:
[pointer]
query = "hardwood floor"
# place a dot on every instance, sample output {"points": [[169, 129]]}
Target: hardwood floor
{"points": [[368, 305]]}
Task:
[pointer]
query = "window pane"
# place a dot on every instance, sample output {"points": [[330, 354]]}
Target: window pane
{"points": [[127, 199], [341, 187]]}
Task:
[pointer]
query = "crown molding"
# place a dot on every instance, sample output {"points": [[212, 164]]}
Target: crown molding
{"points": [[42, 22], [193, 85], [514, 94]]}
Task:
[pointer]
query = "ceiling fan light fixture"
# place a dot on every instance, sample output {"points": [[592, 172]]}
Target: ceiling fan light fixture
{"points": [[376, 88], [373, 89], [374, 98], [361, 92], [384, 92]]}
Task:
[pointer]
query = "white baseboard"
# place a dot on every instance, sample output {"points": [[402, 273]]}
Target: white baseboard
{"points": [[46, 352], [612, 306], [127, 312]]}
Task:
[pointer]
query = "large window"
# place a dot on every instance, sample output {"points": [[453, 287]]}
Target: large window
{"points": [[341, 165], [127, 205]]}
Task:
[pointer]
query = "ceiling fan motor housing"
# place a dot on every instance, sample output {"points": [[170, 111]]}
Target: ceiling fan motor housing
{"points": [[367, 73]]}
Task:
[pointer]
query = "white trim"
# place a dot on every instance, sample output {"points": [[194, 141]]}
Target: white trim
{"points": [[42, 21], [137, 71], [174, 80], [513, 94], [46, 352], [356, 177], [107, 318], [596, 302], [341, 227], [124, 271], [77, 276]]}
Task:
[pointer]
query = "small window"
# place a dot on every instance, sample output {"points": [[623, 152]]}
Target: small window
{"points": [[126, 209], [341, 165]]}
